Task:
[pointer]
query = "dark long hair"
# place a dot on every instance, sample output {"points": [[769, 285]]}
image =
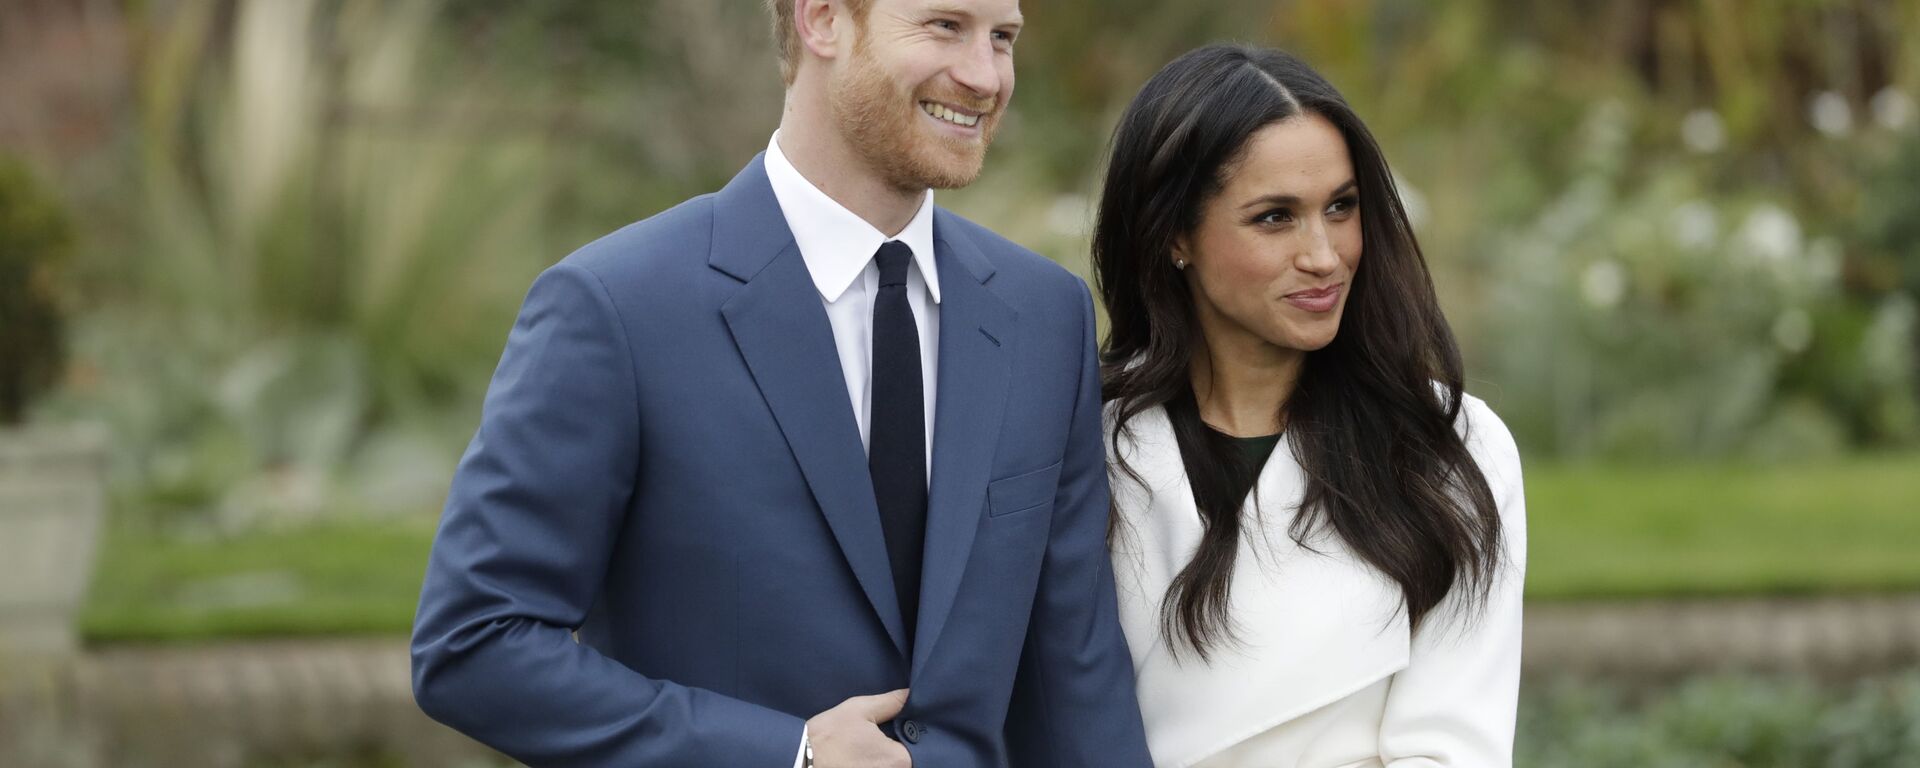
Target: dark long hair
{"points": [[1371, 418]]}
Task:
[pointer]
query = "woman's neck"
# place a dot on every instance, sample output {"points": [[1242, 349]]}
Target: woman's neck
{"points": [[1239, 384]]}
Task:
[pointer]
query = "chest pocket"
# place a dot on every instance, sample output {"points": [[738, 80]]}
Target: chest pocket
{"points": [[1023, 493]]}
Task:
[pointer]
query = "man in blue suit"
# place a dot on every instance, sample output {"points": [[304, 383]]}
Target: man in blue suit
{"points": [[804, 472]]}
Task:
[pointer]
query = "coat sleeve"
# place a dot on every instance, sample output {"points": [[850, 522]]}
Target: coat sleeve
{"points": [[1454, 704], [1074, 704], [523, 546]]}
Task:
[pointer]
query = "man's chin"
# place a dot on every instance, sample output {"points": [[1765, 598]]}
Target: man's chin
{"points": [[924, 157], [949, 175], [951, 164]]}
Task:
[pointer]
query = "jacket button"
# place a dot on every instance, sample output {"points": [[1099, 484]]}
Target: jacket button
{"points": [[911, 730]]}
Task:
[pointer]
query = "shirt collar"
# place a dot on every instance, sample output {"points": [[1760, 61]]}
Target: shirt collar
{"points": [[836, 243]]}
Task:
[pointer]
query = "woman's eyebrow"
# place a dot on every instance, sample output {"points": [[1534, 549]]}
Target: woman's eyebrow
{"points": [[1282, 199]]}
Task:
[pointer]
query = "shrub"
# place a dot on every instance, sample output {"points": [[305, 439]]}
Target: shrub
{"points": [[35, 239]]}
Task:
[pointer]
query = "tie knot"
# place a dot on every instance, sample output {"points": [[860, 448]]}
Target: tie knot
{"points": [[893, 258]]}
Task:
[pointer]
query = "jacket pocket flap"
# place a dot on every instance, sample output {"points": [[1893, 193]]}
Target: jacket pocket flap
{"points": [[1023, 492]]}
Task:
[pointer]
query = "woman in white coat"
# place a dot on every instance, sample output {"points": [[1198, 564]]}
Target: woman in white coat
{"points": [[1318, 536]]}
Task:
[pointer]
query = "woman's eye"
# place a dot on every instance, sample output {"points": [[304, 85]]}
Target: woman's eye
{"points": [[1276, 216], [1342, 206]]}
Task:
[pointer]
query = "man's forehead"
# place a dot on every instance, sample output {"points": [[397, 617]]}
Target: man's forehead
{"points": [[994, 11]]}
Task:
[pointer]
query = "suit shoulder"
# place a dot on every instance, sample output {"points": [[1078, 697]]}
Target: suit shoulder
{"points": [[663, 242], [1022, 262]]}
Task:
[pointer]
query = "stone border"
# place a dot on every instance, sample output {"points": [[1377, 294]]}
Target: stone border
{"points": [[242, 704], [1826, 636]]}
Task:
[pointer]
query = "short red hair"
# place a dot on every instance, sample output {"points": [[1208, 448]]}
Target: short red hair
{"points": [[786, 36]]}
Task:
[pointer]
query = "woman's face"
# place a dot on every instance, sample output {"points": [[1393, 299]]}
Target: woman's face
{"points": [[1273, 256]]}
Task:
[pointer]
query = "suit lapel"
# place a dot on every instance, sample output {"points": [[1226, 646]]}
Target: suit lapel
{"points": [[782, 330], [975, 326]]}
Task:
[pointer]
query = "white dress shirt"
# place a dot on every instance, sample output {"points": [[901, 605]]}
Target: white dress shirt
{"points": [[838, 247]]}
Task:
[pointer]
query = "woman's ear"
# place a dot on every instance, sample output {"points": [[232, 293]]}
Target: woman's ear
{"points": [[1181, 253]]}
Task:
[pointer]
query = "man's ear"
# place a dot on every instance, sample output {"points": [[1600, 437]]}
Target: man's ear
{"points": [[824, 26]]}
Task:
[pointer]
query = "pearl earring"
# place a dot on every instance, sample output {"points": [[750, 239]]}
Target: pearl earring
{"points": [[1179, 263]]}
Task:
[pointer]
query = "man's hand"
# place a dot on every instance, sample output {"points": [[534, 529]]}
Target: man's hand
{"points": [[849, 736]]}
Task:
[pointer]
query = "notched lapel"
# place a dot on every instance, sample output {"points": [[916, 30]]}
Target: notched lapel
{"points": [[975, 326], [782, 330]]}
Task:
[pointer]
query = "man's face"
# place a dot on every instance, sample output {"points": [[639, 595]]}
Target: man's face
{"points": [[925, 87]]}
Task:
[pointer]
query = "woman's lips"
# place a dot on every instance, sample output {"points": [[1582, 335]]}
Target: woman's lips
{"points": [[1316, 300]]}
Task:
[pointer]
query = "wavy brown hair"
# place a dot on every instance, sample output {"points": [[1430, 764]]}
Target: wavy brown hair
{"points": [[1371, 419]]}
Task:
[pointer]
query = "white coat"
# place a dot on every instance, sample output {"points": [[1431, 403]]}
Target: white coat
{"points": [[1325, 672]]}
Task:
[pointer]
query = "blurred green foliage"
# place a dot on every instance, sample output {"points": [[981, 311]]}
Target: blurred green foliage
{"points": [[1725, 720], [36, 241], [1663, 230], [304, 295]]}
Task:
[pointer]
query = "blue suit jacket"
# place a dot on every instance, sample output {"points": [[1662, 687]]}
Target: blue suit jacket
{"points": [[668, 463]]}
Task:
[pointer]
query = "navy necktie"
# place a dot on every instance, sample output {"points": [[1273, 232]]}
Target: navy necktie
{"points": [[897, 434]]}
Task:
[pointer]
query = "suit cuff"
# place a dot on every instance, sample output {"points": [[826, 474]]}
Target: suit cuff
{"points": [[800, 755]]}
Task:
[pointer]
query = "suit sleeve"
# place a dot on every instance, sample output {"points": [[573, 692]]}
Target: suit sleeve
{"points": [[1074, 704], [521, 551], [1454, 705]]}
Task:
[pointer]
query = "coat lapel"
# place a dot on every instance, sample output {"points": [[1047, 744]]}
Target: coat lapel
{"points": [[975, 327], [782, 330]]}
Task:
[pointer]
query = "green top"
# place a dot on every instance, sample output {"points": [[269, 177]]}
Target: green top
{"points": [[1257, 449]]}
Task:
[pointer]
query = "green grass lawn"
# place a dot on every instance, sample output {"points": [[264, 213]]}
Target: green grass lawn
{"points": [[1689, 529], [1594, 532], [357, 577]]}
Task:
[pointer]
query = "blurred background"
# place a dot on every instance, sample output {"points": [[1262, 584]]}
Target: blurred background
{"points": [[258, 258]]}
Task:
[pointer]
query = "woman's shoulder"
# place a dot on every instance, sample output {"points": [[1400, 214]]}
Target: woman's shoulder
{"points": [[1146, 427], [1493, 449], [1142, 454], [1487, 437]]}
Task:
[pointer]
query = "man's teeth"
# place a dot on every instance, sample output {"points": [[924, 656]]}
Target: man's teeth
{"points": [[949, 115]]}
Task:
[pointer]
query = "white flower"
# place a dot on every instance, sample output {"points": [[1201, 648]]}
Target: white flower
{"points": [[1793, 330], [1703, 132], [1892, 108], [1770, 234], [1887, 348], [1695, 225], [1067, 216], [1412, 200], [1830, 113], [1606, 131], [1823, 261], [1604, 284], [1575, 210]]}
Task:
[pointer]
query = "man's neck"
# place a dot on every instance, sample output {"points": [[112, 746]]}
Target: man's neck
{"points": [[826, 161]]}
